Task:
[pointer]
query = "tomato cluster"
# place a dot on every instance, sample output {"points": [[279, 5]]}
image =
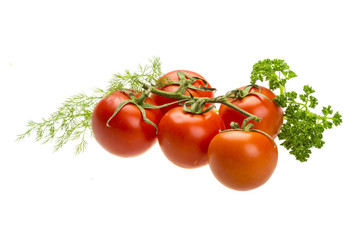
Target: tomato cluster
{"points": [[241, 159]]}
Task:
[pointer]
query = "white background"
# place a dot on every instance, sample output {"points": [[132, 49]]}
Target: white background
{"points": [[50, 50]]}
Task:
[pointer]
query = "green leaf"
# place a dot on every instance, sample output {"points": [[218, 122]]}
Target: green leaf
{"points": [[308, 90], [327, 124], [149, 74], [275, 71], [281, 101], [337, 119], [313, 102], [303, 97], [291, 96], [327, 110]]}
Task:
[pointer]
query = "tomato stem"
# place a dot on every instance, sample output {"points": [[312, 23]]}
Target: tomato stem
{"points": [[140, 100], [184, 82], [220, 99], [242, 111]]}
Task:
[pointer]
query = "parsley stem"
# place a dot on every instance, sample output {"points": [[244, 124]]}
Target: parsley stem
{"points": [[282, 90]]}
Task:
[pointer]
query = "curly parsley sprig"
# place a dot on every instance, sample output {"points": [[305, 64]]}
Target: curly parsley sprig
{"points": [[276, 71], [303, 128]]}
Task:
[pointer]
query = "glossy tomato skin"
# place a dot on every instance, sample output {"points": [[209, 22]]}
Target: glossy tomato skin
{"points": [[242, 160], [272, 115], [128, 134], [173, 76], [184, 137]]}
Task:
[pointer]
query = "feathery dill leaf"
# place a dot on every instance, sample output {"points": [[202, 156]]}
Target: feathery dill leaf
{"points": [[72, 120], [148, 74]]}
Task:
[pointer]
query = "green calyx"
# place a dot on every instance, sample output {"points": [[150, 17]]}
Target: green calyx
{"points": [[247, 127], [185, 82], [197, 107], [242, 93], [139, 103]]}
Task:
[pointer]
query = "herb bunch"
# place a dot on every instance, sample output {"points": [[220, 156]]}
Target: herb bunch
{"points": [[303, 128]]}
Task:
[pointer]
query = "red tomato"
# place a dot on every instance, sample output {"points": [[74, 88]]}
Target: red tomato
{"points": [[184, 137], [128, 135], [173, 76], [272, 115], [242, 160]]}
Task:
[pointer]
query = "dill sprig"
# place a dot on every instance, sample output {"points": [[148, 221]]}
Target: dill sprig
{"points": [[72, 120], [149, 74], [302, 129]]}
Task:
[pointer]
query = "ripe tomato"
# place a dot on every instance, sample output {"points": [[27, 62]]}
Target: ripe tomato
{"points": [[173, 76], [242, 160], [184, 137], [128, 135], [272, 115]]}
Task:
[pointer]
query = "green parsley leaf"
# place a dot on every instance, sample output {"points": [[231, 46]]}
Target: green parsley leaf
{"points": [[302, 129]]}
